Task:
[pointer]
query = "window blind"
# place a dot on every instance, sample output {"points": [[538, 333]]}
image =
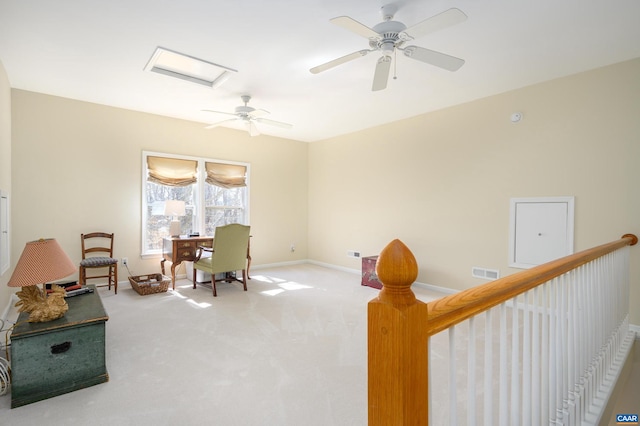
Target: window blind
{"points": [[226, 175], [172, 171]]}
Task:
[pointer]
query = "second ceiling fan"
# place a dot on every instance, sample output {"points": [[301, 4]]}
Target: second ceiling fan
{"points": [[249, 116], [389, 36]]}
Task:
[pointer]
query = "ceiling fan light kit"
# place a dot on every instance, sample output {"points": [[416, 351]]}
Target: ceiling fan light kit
{"points": [[389, 36]]}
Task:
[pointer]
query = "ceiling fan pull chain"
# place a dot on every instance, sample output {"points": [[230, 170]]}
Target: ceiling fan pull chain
{"points": [[395, 62]]}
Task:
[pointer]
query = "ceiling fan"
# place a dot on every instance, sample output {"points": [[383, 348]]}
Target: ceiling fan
{"points": [[249, 116], [389, 36]]}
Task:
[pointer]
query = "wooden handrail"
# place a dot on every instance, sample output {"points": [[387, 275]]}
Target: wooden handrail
{"points": [[450, 310], [399, 326]]}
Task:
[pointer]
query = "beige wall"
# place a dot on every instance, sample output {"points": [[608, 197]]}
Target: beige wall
{"points": [[441, 182], [77, 168], [5, 166]]}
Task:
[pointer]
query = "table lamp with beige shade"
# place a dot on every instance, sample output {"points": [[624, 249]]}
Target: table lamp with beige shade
{"points": [[175, 208], [41, 262]]}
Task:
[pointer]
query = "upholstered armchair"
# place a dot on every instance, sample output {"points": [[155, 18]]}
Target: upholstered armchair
{"points": [[229, 254]]}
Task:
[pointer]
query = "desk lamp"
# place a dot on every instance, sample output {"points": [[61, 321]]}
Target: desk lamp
{"points": [[41, 261], [174, 208]]}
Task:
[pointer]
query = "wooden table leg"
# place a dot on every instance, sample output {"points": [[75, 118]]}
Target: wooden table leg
{"points": [[173, 275]]}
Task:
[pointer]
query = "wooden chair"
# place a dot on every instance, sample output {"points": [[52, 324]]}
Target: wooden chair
{"points": [[229, 254], [97, 253]]}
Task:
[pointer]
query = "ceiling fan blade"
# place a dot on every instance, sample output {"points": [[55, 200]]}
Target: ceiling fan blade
{"points": [[442, 20], [432, 57], [354, 26], [339, 61], [259, 113], [211, 126], [219, 112], [274, 123], [251, 128], [381, 75]]}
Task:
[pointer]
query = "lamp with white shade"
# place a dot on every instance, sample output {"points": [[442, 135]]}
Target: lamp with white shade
{"points": [[174, 208]]}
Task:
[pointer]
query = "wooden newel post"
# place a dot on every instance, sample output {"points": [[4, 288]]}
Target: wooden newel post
{"points": [[397, 343]]}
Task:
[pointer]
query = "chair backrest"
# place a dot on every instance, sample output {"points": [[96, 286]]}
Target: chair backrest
{"points": [[97, 244], [230, 248]]}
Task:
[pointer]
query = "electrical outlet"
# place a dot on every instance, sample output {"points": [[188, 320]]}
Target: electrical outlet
{"points": [[125, 261], [353, 253], [293, 247]]}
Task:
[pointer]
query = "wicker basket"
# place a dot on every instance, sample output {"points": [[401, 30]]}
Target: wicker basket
{"points": [[149, 284]]}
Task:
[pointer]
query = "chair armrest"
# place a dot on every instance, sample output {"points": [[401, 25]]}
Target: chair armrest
{"points": [[200, 250]]}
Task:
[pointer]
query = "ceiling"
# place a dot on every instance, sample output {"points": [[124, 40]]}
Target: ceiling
{"points": [[96, 51]]}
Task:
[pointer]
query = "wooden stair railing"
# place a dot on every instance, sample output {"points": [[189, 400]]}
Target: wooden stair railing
{"points": [[399, 326]]}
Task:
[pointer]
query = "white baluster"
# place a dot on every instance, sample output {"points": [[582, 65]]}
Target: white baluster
{"points": [[471, 374], [572, 391], [536, 348], [553, 359], [453, 406], [526, 361], [544, 351], [504, 384], [515, 362], [562, 349], [488, 368]]}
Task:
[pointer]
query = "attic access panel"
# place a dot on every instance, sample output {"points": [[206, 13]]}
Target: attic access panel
{"points": [[186, 67], [541, 230]]}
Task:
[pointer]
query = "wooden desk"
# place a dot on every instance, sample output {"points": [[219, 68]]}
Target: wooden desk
{"points": [[178, 250], [59, 356]]}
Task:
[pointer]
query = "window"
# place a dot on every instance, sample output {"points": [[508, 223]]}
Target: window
{"points": [[215, 193]]}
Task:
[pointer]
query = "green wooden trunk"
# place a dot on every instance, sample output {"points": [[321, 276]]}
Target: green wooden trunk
{"points": [[60, 356]]}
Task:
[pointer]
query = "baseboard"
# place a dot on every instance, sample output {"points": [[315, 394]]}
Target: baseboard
{"points": [[426, 286], [335, 267], [436, 288], [277, 264]]}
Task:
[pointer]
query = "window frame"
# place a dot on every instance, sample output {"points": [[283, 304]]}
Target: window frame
{"points": [[199, 217]]}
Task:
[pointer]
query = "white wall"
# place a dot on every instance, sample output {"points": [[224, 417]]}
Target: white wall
{"points": [[441, 182]]}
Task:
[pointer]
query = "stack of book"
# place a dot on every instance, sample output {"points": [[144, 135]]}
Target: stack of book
{"points": [[72, 288]]}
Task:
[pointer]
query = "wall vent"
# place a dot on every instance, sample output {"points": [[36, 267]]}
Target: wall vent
{"points": [[484, 273]]}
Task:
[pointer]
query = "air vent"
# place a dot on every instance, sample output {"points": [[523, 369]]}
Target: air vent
{"points": [[484, 273]]}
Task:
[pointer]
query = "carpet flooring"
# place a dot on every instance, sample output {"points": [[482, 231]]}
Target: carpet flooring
{"points": [[292, 350], [289, 351]]}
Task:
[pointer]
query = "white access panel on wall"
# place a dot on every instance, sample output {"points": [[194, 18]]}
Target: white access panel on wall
{"points": [[541, 230]]}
